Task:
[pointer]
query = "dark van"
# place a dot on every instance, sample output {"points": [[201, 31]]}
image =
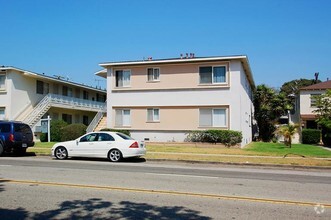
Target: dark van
{"points": [[15, 137]]}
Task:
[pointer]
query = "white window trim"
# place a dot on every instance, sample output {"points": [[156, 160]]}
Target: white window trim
{"points": [[4, 113], [154, 80], [124, 86], [122, 115], [153, 115], [212, 77], [212, 125]]}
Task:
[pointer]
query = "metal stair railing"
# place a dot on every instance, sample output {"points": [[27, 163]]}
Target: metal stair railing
{"points": [[78, 103], [38, 111], [61, 101], [97, 118]]}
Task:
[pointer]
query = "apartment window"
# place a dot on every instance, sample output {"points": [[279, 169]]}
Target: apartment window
{"points": [[153, 74], [2, 81], [42, 88], [85, 95], [212, 117], [212, 75], [313, 99], [122, 117], [153, 114], [85, 120], [66, 91], [2, 113], [67, 118], [123, 78]]}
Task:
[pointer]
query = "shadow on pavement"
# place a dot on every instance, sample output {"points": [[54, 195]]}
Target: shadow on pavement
{"points": [[99, 209], [125, 160], [27, 154]]}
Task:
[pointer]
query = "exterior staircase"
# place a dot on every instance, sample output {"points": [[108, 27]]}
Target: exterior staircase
{"points": [[99, 121], [54, 100], [102, 124], [38, 111]]}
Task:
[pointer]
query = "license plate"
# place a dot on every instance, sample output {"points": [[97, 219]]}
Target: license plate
{"points": [[24, 145]]}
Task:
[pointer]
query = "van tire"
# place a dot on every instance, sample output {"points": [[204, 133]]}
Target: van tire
{"points": [[1, 149]]}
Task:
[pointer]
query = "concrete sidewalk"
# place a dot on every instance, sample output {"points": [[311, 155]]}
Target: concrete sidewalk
{"points": [[240, 156]]}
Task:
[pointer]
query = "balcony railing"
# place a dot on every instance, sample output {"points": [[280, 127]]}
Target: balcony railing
{"points": [[54, 100], [65, 101]]}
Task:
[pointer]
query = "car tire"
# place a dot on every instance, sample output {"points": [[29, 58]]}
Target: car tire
{"points": [[1, 149], [114, 155], [61, 153]]}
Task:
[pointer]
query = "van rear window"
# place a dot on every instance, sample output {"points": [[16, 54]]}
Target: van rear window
{"points": [[22, 128], [4, 128]]}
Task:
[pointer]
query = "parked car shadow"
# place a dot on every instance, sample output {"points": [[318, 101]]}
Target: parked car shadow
{"points": [[27, 154], [124, 160], [96, 208]]}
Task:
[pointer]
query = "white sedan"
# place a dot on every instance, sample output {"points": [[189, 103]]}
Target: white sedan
{"points": [[102, 144]]}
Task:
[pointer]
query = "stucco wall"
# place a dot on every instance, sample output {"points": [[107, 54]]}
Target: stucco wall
{"points": [[171, 76], [182, 96], [305, 107]]}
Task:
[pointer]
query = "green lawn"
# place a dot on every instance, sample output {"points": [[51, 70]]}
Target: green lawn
{"points": [[277, 149], [217, 153]]}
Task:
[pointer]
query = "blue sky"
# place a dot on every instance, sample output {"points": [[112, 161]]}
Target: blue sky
{"points": [[284, 39]]}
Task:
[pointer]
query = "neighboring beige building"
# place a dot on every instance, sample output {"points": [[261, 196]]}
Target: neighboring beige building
{"points": [[162, 100], [28, 97], [307, 105]]}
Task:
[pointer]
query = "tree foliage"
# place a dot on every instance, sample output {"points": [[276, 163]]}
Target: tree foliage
{"points": [[293, 87], [288, 131], [72, 131], [269, 106], [323, 112]]}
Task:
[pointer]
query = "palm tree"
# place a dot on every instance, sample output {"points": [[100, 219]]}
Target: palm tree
{"points": [[288, 131]]}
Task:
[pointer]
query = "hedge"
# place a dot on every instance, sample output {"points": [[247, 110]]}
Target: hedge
{"points": [[311, 136], [226, 137], [72, 131], [56, 134]]}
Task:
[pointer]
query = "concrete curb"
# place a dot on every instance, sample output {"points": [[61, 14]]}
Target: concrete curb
{"points": [[284, 166]]}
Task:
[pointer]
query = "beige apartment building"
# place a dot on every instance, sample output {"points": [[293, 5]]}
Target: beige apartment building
{"points": [[307, 105], [27, 96], [163, 100]]}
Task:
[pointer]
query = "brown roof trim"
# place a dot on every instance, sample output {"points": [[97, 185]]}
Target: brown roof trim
{"points": [[319, 86], [308, 116]]}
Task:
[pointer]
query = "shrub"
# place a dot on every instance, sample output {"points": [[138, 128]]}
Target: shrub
{"points": [[43, 137], [326, 136], [127, 132], [72, 131], [311, 136], [56, 127], [226, 137]]}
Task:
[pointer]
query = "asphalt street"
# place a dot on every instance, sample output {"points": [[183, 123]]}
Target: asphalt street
{"points": [[45, 188]]}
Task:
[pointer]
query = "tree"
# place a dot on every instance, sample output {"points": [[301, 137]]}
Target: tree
{"points": [[269, 106], [323, 111], [293, 87], [288, 131]]}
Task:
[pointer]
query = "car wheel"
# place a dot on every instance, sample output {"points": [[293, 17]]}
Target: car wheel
{"points": [[115, 155], [1, 149], [61, 153]]}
